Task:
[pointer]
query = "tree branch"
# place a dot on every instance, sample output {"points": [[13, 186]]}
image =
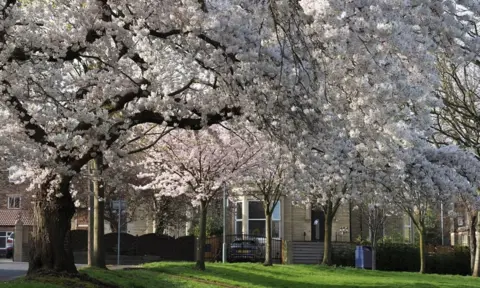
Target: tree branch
{"points": [[38, 133]]}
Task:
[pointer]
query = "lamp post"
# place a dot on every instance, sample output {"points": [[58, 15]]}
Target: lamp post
{"points": [[224, 244], [117, 205], [91, 173]]}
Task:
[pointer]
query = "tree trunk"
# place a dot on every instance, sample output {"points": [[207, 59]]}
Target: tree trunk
{"points": [[159, 224], [373, 240], [327, 245], [268, 240], [421, 239], [476, 266], [473, 240], [50, 249], [374, 254], [98, 219], [200, 265]]}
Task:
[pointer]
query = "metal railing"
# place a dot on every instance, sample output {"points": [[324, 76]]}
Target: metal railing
{"points": [[242, 247]]}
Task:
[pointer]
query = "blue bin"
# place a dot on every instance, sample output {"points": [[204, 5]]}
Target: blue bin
{"points": [[363, 257]]}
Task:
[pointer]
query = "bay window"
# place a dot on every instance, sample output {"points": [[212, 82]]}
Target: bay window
{"points": [[256, 219], [238, 218]]}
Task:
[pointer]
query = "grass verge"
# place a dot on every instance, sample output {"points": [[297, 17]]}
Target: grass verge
{"points": [[181, 274], [256, 275]]}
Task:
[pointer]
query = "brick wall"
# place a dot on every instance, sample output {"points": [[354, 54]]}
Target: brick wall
{"points": [[7, 188]]}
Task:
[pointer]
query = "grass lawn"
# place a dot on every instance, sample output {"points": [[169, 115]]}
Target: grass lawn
{"points": [[168, 274]]}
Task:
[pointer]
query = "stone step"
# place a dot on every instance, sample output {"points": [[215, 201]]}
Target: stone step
{"points": [[307, 252]]}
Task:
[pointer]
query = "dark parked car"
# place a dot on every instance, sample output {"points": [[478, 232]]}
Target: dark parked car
{"points": [[245, 250]]}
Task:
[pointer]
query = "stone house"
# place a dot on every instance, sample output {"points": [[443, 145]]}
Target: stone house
{"points": [[302, 226], [304, 223], [460, 224], [142, 222]]}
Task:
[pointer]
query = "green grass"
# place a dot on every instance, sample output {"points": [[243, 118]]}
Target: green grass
{"points": [[256, 275], [181, 274], [122, 278]]}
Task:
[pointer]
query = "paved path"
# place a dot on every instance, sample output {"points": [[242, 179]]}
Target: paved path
{"points": [[10, 270]]}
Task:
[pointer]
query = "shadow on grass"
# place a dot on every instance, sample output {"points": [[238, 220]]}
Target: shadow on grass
{"points": [[134, 279], [260, 276]]}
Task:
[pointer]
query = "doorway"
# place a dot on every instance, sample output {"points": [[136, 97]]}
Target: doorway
{"points": [[318, 225]]}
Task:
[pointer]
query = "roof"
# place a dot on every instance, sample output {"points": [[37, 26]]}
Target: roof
{"points": [[8, 217]]}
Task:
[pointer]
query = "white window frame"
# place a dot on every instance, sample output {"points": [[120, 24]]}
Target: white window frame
{"points": [[252, 219], [238, 219], [279, 205], [264, 219], [19, 202]]}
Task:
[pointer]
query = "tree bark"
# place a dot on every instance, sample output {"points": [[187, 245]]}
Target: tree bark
{"points": [[473, 241], [268, 240], [98, 219], [50, 249], [200, 265], [327, 245], [375, 221], [421, 239], [374, 256], [476, 266]]}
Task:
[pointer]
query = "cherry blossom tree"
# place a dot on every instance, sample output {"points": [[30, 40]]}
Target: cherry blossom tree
{"points": [[77, 75], [196, 165], [268, 178], [374, 96], [326, 183], [168, 211], [376, 206], [430, 176], [456, 122]]}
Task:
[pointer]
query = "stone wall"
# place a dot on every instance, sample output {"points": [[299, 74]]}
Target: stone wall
{"points": [[297, 222], [341, 220]]}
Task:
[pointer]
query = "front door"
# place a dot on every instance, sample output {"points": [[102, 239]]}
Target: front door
{"points": [[318, 225]]}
